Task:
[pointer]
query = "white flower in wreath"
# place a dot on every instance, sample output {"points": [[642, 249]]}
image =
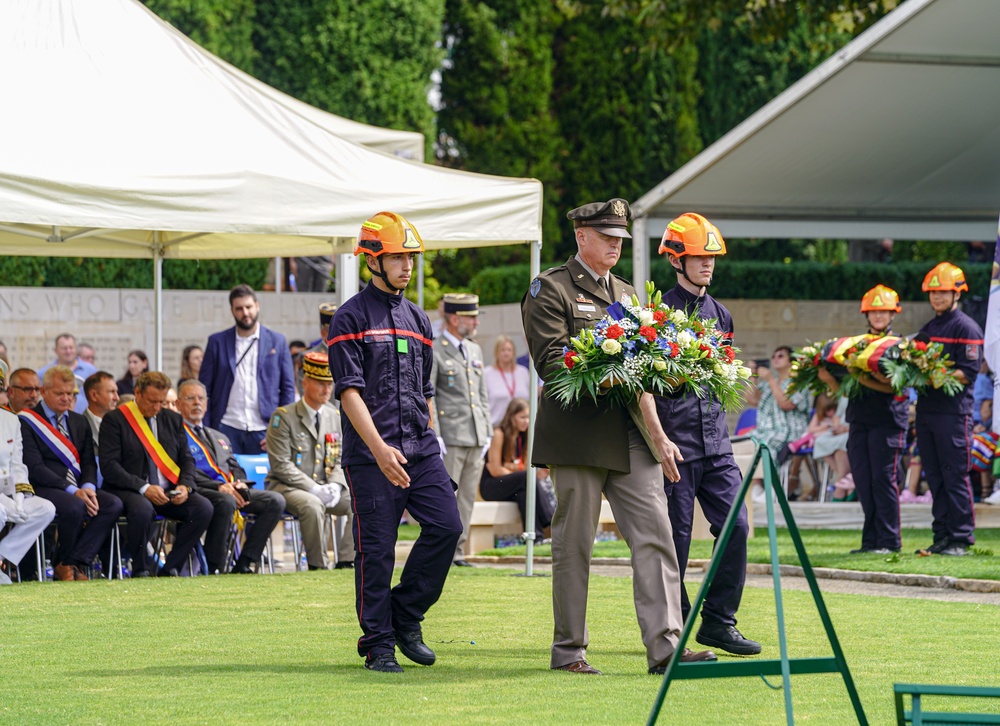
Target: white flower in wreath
{"points": [[685, 339], [677, 317], [645, 317], [611, 346]]}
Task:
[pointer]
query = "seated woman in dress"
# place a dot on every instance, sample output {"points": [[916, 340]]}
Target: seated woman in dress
{"points": [[505, 477]]}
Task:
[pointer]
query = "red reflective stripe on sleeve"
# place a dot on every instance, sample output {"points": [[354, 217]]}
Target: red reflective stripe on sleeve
{"points": [[962, 341], [381, 331]]}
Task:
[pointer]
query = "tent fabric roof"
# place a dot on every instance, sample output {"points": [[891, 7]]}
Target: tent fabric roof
{"points": [[123, 134], [895, 135]]}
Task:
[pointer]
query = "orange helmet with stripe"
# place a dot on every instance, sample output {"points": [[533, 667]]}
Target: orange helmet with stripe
{"points": [[944, 277], [388, 232], [692, 234], [880, 297]]}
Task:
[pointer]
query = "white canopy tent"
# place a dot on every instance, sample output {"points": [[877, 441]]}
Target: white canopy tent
{"points": [[122, 138], [895, 135]]}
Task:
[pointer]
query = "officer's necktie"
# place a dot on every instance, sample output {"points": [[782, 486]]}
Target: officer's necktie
{"points": [[61, 426], [461, 349], [200, 433], [604, 287], [317, 423]]}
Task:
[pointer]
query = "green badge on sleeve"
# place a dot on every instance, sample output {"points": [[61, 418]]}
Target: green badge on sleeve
{"points": [[276, 421], [402, 345]]}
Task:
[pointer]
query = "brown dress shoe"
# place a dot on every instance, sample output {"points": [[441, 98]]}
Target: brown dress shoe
{"points": [[79, 574], [579, 666], [689, 656], [65, 572]]}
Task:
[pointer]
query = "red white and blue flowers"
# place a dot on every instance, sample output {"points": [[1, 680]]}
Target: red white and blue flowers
{"points": [[652, 347]]}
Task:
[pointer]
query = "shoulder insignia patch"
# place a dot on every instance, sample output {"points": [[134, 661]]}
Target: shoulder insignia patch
{"points": [[276, 421], [536, 285], [972, 352]]}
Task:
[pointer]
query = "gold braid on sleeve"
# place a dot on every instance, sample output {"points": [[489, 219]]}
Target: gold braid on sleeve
{"points": [[24, 489]]}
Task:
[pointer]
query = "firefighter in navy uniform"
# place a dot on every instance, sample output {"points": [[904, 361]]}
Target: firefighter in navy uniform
{"points": [[944, 423], [877, 439], [698, 427], [380, 356]]}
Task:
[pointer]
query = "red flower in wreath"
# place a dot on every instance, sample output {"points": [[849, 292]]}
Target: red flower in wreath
{"points": [[675, 350], [569, 360], [920, 345], [729, 353], [647, 332], [704, 348], [614, 332], [659, 316]]}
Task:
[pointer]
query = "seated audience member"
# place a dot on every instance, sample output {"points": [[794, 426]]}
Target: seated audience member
{"points": [[505, 477], [27, 514], [86, 353], [982, 391], [781, 418], [219, 478], [138, 364], [101, 392], [3, 353], [66, 355], [24, 390], [505, 379], [147, 464], [190, 364], [303, 447], [171, 402], [59, 455], [829, 434], [4, 370], [125, 398]]}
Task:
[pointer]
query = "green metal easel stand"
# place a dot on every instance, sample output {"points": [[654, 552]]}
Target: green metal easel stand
{"points": [[784, 666]]}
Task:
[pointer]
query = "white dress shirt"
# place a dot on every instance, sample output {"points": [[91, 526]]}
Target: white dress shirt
{"points": [[243, 410]]}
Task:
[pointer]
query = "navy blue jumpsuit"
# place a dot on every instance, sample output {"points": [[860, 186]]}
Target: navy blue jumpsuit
{"points": [[944, 431], [875, 447], [708, 472], [381, 345]]}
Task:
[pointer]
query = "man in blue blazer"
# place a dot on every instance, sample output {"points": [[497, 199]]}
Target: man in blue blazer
{"points": [[247, 371]]}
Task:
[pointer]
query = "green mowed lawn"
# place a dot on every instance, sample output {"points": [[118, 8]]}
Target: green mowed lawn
{"points": [[281, 649], [831, 548]]}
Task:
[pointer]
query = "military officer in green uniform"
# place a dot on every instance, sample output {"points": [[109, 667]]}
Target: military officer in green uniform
{"points": [[326, 311], [599, 447], [461, 404], [303, 447]]}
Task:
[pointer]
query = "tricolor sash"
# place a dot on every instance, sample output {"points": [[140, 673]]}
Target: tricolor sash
{"points": [[835, 351], [61, 446], [167, 466], [203, 459], [877, 350]]}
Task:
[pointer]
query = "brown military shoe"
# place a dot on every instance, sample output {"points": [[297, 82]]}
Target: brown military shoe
{"points": [[579, 666], [79, 574], [65, 573]]}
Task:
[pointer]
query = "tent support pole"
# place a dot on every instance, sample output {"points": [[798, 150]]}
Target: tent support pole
{"points": [[420, 282], [640, 253], [158, 300], [346, 278], [279, 275], [530, 504]]}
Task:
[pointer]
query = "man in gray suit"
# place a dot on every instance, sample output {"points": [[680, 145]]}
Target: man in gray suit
{"points": [[600, 447], [461, 405], [303, 447], [222, 481]]}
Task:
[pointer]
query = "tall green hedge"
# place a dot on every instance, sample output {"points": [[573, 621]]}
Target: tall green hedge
{"points": [[760, 280], [118, 273]]}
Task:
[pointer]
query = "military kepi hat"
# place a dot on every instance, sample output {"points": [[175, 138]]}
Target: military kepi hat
{"points": [[316, 366], [326, 311], [610, 217], [456, 303]]}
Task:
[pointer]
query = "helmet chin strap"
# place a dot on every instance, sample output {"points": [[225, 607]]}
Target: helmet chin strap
{"points": [[683, 261], [385, 278]]}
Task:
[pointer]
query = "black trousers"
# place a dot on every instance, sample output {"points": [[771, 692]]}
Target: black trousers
{"points": [[266, 508], [79, 544], [193, 517], [513, 487]]}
